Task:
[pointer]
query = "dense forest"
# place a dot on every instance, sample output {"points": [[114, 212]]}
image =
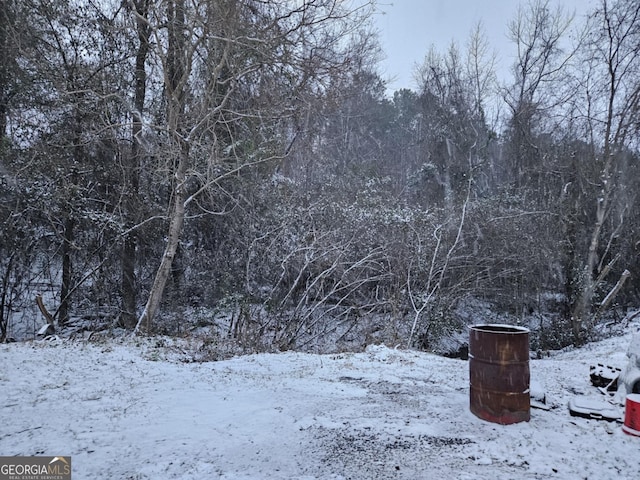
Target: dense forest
{"points": [[170, 163]]}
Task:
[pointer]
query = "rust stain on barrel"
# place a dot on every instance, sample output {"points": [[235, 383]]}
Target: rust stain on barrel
{"points": [[499, 373]]}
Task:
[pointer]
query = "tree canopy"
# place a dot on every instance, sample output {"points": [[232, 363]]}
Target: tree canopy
{"points": [[246, 157]]}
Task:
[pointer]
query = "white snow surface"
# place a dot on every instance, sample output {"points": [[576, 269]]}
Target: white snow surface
{"points": [[133, 409]]}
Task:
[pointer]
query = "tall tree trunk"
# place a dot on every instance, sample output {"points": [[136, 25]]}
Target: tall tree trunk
{"points": [[6, 54], [173, 239], [582, 308], [132, 169], [4, 301], [68, 234], [175, 83], [67, 270]]}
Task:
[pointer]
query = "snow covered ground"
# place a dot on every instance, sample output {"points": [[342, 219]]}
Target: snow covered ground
{"points": [[131, 409]]}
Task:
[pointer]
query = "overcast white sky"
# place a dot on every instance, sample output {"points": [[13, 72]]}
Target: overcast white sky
{"points": [[409, 27]]}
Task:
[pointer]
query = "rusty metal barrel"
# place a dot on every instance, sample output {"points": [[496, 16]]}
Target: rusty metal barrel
{"points": [[499, 373]]}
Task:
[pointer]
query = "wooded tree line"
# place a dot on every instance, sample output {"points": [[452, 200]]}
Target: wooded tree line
{"points": [[246, 155]]}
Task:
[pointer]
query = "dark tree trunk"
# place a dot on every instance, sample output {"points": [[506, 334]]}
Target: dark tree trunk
{"points": [[67, 270], [132, 170], [175, 112], [7, 54]]}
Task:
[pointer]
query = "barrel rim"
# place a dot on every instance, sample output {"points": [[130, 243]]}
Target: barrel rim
{"points": [[500, 328]]}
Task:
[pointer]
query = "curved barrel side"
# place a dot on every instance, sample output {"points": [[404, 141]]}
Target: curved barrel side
{"points": [[499, 373]]}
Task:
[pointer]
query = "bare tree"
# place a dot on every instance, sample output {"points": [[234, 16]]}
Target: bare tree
{"points": [[139, 11], [480, 68], [611, 112], [239, 45], [538, 33]]}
